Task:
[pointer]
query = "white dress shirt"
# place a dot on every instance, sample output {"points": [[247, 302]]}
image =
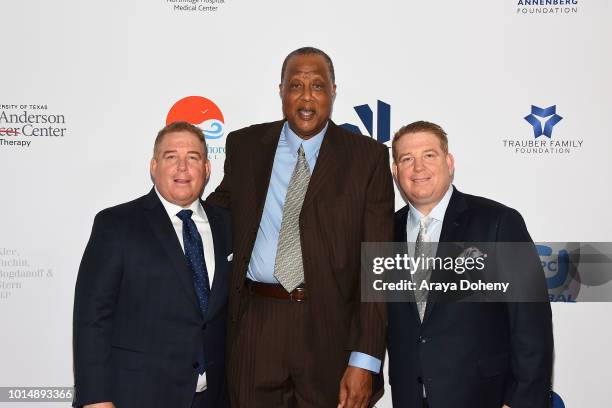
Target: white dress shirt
{"points": [[201, 221], [435, 226]]}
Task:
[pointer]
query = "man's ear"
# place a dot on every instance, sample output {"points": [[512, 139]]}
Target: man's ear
{"points": [[394, 170], [450, 162], [208, 170], [153, 168]]}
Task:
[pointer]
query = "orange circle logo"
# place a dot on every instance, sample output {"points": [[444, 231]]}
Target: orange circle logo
{"points": [[201, 112]]}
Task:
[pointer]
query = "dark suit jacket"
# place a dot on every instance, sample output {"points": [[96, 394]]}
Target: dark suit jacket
{"points": [[138, 330], [471, 355], [349, 200]]}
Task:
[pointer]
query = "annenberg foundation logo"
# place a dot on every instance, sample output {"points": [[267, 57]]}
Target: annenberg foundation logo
{"points": [[546, 7], [21, 124], [539, 140], [205, 114]]}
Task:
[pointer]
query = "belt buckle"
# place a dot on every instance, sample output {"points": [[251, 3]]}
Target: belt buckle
{"points": [[297, 291]]}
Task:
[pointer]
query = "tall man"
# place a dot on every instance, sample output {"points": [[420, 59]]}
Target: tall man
{"points": [[150, 306], [304, 193], [461, 355]]}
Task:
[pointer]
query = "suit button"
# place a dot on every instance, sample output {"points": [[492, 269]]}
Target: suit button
{"points": [[204, 326], [420, 380], [195, 364], [422, 340]]}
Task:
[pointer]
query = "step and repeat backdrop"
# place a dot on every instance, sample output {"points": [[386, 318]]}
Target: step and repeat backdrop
{"points": [[523, 88]]}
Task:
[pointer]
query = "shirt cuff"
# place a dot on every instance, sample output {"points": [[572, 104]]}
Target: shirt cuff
{"points": [[364, 361]]}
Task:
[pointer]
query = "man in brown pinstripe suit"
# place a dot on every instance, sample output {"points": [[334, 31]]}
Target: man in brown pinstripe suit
{"points": [[304, 194]]}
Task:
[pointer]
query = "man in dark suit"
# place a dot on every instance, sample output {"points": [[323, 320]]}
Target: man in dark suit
{"points": [[150, 307], [304, 193], [461, 354]]}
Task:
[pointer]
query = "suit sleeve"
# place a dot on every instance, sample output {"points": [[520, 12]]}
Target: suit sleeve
{"points": [[96, 293], [377, 227], [222, 194], [531, 336]]}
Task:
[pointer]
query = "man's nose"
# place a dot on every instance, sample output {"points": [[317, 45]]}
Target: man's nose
{"points": [[418, 164], [307, 94], [182, 163]]}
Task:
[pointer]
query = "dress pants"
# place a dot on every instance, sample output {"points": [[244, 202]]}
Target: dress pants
{"points": [[277, 361]]}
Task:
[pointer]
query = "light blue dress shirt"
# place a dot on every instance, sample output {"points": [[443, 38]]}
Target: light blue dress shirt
{"points": [[261, 265]]}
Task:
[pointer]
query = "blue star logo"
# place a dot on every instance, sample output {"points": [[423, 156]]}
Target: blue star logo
{"points": [[548, 116]]}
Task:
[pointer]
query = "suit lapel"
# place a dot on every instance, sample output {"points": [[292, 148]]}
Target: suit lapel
{"points": [[401, 235], [165, 233], [327, 162], [219, 285], [454, 220]]}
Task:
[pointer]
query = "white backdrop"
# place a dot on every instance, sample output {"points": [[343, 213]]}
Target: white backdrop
{"points": [[109, 72]]}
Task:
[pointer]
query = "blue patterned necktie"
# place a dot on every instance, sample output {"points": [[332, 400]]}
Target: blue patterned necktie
{"points": [[194, 252]]}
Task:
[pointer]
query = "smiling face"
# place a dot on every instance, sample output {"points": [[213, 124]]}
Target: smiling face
{"points": [[180, 168], [422, 169], [308, 94]]}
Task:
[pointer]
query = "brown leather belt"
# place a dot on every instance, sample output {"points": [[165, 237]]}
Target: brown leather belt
{"points": [[276, 291]]}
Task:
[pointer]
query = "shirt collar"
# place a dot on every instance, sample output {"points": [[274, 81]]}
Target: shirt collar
{"points": [[311, 146], [172, 209], [437, 213]]}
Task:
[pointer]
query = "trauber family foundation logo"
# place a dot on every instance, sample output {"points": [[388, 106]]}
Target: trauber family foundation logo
{"points": [[547, 116], [542, 121]]}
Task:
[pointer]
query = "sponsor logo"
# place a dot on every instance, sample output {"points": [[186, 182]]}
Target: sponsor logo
{"points": [[556, 400], [561, 274], [366, 115], [21, 124], [17, 272], [195, 6], [205, 114], [546, 7], [547, 115], [542, 122]]}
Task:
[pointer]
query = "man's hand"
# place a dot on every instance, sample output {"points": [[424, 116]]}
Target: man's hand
{"points": [[355, 388], [100, 405], [505, 406]]}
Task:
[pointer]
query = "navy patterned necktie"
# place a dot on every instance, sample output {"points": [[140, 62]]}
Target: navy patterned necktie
{"points": [[194, 253]]}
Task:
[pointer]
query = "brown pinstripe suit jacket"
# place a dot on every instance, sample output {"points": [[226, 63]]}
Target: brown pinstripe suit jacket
{"points": [[350, 200]]}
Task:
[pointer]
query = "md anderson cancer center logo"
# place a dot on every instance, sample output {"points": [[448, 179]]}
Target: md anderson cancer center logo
{"points": [[20, 124], [205, 114]]}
